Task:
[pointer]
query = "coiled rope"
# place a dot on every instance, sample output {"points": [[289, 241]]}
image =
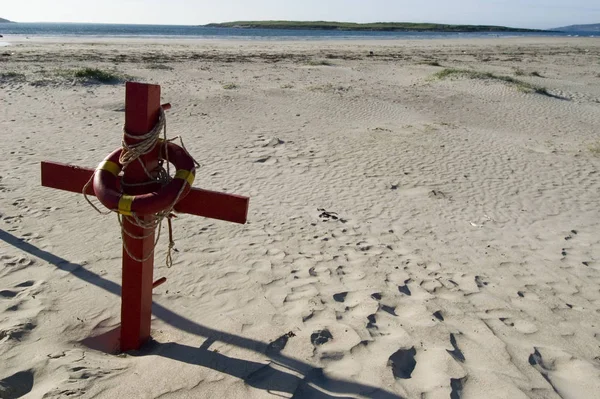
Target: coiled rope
{"points": [[143, 145]]}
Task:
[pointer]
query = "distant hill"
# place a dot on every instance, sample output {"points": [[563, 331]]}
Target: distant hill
{"points": [[2, 20], [579, 28], [378, 26]]}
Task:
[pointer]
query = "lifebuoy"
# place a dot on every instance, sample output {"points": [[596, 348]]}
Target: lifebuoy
{"points": [[106, 183]]}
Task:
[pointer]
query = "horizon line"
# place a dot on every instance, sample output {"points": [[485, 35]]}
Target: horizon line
{"points": [[289, 20]]}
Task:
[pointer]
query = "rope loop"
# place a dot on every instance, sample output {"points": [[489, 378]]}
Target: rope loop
{"points": [[132, 152]]}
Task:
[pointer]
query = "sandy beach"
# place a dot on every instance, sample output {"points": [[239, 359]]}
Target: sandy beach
{"points": [[424, 221]]}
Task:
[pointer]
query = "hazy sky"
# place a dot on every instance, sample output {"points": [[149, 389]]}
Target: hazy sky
{"points": [[518, 13]]}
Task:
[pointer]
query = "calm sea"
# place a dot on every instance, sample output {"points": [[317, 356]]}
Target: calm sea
{"points": [[182, 31]]}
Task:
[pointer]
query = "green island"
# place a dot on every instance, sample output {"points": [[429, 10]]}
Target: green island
{"points": [[377, 26]]}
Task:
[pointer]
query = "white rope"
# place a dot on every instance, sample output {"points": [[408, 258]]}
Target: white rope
{"points": [[131, 153]]}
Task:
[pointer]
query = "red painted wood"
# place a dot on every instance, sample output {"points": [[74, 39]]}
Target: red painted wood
{"points": [[142, 108], [159, 282], [142, 105], [214, 205], [66, 177], [208, 204]]}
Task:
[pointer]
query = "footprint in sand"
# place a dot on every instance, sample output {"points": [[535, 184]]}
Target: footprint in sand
{"points": [[23, 206], [321, 337], [16, 385], [403, 363], [555, 365], [20, 261], [372, 322], [279, 344], [404, 289], [267, 160], [341, 297], [22, 296], [17, 332], [3, 188], [26, 284], [456, 386], [13, 219], [456, 353], [388, 309], [274, 142], [8, 294], [326, 216]]}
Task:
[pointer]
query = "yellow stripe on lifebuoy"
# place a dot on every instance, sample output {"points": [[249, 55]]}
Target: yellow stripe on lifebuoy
{"points": [[110, 166], [125, 204], [185, 175]]}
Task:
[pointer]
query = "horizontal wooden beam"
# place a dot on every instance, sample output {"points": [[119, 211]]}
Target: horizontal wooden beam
{"points": [[205, 203], [215, 205], [66, 177]]}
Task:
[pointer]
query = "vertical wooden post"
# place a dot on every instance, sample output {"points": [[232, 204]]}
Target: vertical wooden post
{"points": [[142, 106], [142, 109]]}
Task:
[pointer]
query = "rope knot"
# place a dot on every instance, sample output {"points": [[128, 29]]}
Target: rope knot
{"points": [[132, 152]]}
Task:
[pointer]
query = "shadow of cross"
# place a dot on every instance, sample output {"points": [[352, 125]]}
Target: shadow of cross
{"points": [[134, 186], [281, 374]]}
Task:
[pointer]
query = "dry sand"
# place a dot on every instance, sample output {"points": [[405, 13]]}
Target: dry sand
{"points": [[408, 237]]}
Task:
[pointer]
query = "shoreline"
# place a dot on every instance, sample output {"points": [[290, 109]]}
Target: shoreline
{"points": [[533, 39]]}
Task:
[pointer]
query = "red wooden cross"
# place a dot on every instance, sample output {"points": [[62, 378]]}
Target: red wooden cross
{"points": [[142, 107]]}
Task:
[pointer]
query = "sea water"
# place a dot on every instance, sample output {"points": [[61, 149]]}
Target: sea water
{"points": [[183, 31]]}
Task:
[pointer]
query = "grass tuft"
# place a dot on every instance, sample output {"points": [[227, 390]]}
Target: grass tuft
{"points": [[12, 76], [81, 76], [230, 86], [520, 72], [98, 75], [163, 67], [319, 63], [520, 85]]}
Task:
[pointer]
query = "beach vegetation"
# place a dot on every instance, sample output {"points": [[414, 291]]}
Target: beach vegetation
{"points": [[230, 86], [85, 76], [159, 66], [12, 76], [520, 72], [319, 63], [98, 75], [520, 85]]}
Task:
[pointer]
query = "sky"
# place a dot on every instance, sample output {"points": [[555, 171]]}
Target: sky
{"points": [[516, 13]]}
